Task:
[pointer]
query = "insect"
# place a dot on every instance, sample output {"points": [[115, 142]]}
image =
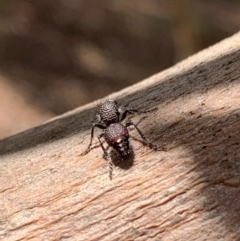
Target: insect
{"points": [[116, 134]]}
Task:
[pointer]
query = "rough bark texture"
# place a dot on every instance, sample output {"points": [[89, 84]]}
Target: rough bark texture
{"points": [[48, 191]]}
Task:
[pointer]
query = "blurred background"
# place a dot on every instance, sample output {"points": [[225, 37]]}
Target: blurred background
{"points": [[56, 55]]}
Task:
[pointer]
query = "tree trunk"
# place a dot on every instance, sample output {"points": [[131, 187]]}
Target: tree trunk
{"points": [[48, 191]]}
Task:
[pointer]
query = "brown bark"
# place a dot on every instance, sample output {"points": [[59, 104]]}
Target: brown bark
{"points": [[190, 192]]}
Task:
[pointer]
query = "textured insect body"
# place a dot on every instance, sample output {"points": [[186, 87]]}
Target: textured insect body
{"points": [[115, 133], [108, 112], [117, 136]]}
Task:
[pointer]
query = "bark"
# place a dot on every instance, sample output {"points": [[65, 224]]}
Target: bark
{"points": [[48, 191]]}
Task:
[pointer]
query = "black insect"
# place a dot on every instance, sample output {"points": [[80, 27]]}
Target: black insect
{"points": [[110, 115]]}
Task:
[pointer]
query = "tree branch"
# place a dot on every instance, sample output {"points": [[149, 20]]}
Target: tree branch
{"points": [[48, 191]]}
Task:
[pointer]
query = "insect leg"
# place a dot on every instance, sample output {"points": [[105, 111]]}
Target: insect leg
{"points": [[107, 156], [99, 125], [123, 112], [148, 142]]}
